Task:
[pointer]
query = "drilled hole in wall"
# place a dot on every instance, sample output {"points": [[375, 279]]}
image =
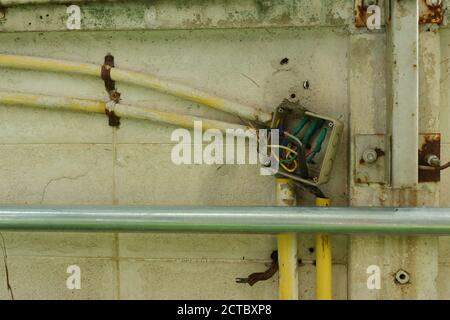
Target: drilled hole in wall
{"points": [[284, 61]]}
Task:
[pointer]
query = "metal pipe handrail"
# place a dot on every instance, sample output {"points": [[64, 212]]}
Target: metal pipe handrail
{"points": [[227, 219]]}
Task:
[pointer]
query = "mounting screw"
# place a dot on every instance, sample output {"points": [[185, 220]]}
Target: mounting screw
{"points": [[306, 84], [369, 156], [402, 277]]}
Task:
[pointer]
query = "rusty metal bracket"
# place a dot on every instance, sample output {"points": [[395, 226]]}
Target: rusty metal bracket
{"points": [[372, 158], [110, 85], [431, 11], [113, 119], [429, 144], [262, 276]]}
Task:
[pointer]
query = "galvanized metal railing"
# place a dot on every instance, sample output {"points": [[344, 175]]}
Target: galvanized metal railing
{"points": [[227, 219]]}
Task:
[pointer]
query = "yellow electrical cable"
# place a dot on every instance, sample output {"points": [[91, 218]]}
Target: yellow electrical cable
{"points": [[277, 123], [121, 110], [282, 147], [292, 169], [289, 151], [287, 245], [288, 169], [136, 78], [283, 165]]}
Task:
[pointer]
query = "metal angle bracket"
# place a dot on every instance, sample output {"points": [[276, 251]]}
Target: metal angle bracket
{"points": [[429, 145]]}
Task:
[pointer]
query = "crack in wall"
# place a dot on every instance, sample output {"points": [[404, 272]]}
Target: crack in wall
{"points": [[44, 192], [5, 261]]}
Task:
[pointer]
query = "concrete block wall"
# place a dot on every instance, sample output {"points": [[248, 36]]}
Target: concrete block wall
{"points": [[72, 158], [153, 266]]}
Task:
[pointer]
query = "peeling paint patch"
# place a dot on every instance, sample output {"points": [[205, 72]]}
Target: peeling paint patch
{"points": [[165, 15]]}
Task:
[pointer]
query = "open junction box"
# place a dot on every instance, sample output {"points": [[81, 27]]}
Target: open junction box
{"points": [[307, 145]]}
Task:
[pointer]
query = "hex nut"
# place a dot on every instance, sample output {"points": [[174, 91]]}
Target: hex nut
{"points": [[433, 160], [402, 277]]}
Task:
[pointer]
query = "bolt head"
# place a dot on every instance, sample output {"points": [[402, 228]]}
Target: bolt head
{"points": [[370, 156]]}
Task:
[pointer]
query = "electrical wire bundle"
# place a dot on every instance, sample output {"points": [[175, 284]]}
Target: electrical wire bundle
{"points": [[296, 150]]}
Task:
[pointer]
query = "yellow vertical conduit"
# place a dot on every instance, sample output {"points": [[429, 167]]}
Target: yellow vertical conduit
{"points": [[324, 281], [287, 246]]}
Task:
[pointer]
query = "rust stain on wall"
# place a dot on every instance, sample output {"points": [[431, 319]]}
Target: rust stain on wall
{"points": [[361, 14], [430, 144], [430, 14]]}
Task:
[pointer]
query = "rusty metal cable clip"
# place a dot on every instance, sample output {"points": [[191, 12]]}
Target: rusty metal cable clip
{"points": [[113, 119], [110, 85]]}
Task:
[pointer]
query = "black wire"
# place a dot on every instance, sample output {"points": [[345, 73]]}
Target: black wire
{"points": [[312, 189], [440, 168]]}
